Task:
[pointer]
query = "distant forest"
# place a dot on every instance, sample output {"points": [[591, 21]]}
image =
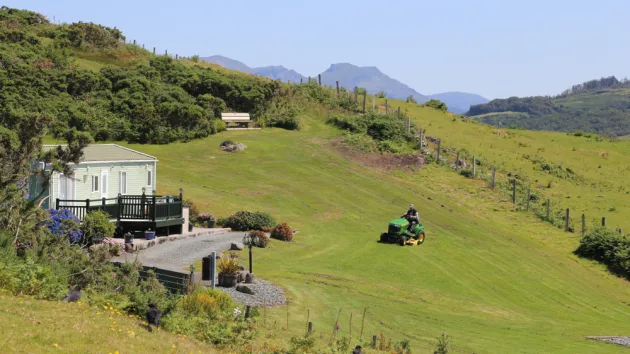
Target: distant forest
{"points": [[601, 106]]}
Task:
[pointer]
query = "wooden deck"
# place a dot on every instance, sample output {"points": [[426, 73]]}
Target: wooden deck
{"points": [[133, 212]]}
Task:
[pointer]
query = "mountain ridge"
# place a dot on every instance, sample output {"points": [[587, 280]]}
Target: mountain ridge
{"points": [[349, 76]]}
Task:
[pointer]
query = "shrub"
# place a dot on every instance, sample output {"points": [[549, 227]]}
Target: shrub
{"points": [[194, 58], [381, 94], [411, 99], [227, 265], [226, 143], [219, 126], [466, 173], [282, 232], [436, 104], [208, 302], [261, 239], [245, 220], [289, 123], [96, 225], [206, 219], [607, 247], [193, 211], [63, 223], [442, 344]]}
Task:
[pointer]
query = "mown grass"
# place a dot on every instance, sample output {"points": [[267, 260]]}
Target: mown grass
{"points": [[35, 326], [494, 279]]}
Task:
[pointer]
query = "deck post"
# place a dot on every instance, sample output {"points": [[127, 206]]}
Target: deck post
{"points": [[87, 205], [119, 208], [181, 204], [168, 208], [143, 209], [57, 203], [103, 204], [154, 206]]}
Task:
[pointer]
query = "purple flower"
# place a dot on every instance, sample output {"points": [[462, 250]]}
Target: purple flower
{"points": [[64, 223]]}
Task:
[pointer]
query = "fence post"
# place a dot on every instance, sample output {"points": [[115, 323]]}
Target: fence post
{"points": [[583, 224], [514, 191], [604, 221], [337, 89], [529, 195], [319, 79], [153, 50], [398, 112], [364, 99], [386, 107], [457, 162], [408, 124], [310, 327], [566, 221], [356, 95], [548, 216], [192, 274], [134, 42], [309, 80], [474, 166], [176, 56], [166, 52], [374, 341], [374, 103], [439, 148], [494, 173], [142, 45], [301, 81]]}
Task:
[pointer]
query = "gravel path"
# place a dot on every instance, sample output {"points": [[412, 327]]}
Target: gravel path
{"points": [[179, 254], [265, 294], [621, 340]]}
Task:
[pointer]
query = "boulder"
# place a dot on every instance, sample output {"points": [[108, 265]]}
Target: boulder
{"points": [[237, 246], [244, 289], [250, 278]]}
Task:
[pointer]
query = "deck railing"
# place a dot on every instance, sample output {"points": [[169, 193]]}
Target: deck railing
{"points": [[127, 207]]}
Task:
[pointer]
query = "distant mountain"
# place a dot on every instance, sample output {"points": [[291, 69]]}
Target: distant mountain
{"points": [[349, 76], [278, 73], [227, 63], [601, 106], [370, 78], [459, 102]]}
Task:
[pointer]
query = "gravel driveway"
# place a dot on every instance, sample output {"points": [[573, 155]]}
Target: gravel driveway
{"points": [[177, 255]]}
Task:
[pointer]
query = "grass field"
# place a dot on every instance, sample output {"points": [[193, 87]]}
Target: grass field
{"points": [[32, 326], [497, 281]]}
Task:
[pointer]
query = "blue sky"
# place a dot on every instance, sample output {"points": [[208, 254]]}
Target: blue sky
{"points": [[496, 48]]}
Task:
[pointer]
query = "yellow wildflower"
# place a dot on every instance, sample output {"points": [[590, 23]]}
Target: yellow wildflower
{"points": [[55, 345]]}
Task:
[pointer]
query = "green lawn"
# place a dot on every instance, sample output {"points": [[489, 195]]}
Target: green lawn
{"points": [[497, 281]]}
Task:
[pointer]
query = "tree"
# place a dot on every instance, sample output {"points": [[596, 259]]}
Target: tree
{"points": [[436, 104], [411, 99]]}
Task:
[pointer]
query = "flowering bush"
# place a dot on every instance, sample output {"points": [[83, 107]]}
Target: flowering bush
{"points": [[206, 219], [261, 239], [282, 232], [63, 223], [245, 220]]}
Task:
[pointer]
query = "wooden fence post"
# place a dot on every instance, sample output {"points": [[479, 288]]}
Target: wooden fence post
{"points": [[301, 81], [362, 323], [457, 162], [494, 173], [604, 221], [474, 166], [153, 50], [374, 341], [364, 98], [566, 221], [583, 224], [176, 56], [337, 89], [166, 52], [142, 45], [134, 42], [514, 191], [439, 148], [408, 124], [319, 79], [529, 195], [398, 112], [356, 95], [310, 327], [548, 215], [374, 103]]}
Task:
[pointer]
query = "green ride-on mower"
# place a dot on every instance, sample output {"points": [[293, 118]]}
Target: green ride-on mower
{"points": [[398, 232]]}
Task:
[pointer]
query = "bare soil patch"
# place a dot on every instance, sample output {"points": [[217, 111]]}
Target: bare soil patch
{"points": [[379, 161]]}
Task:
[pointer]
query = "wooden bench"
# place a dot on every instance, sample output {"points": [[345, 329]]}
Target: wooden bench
{"points": [[242, 119]]}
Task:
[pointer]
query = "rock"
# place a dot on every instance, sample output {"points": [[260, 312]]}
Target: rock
{"points": [[250, 278], [241, 267], [239, 146], [237, 246], [244, 289]]}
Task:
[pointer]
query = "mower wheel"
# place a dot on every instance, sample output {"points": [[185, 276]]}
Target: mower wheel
{"points": [[402, 240], [384, 237], [420, 237]]}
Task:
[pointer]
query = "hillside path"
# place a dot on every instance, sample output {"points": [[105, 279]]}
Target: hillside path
{"points": [[178, 255]]}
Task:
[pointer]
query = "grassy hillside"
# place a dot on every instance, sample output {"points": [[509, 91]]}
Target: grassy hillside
{"points": [[495, 280], [31, 326], [599, 106]]}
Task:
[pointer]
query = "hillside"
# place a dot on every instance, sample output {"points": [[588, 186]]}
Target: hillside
{"points": [[495, 279], [600, 106], [459, 102]]}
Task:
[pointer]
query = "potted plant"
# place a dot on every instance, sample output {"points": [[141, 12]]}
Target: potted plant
{"points": [[206, 220], [149, 235], [228, 272]]}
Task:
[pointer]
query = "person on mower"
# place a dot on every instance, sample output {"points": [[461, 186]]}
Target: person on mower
{"points": [[412, 217]]}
